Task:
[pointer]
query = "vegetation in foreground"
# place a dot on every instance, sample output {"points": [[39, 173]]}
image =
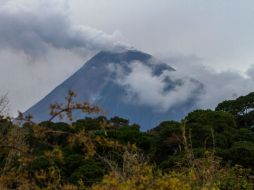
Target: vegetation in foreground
{"points": [[207, 150]]}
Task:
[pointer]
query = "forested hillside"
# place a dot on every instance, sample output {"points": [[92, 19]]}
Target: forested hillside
{"points": [[206, 150]]}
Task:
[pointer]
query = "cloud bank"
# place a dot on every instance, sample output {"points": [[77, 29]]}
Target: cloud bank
{"points": [[192, 83], [218, 86], [40, 47], [36, 29], [161, 91]]}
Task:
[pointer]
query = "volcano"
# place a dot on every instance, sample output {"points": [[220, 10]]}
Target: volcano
{"points": [[100, 81]]}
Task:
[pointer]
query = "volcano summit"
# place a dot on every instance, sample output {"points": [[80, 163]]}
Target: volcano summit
{"points": [[129, 84]]}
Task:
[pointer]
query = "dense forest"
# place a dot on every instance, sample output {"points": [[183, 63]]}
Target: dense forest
{"points": [[209, 149]]}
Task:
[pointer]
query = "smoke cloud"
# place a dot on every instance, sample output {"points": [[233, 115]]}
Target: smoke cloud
{"points": [[36, 29], [40, 47]]}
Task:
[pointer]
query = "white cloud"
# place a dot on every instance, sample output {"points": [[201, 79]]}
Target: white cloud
{"points": [[162, 92], [40, 47], [192, 82], [218, 85], [34, 28]]}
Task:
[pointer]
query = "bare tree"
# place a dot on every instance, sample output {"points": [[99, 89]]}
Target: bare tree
{"points": [[4, 104]]}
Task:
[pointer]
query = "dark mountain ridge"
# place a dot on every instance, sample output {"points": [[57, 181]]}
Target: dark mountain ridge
{"points": [[96, 83]]}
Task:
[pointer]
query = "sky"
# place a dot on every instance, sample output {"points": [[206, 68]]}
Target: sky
{"points": [[43, 42], [218, 31]]}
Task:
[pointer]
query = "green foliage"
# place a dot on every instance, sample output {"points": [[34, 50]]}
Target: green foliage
{"points": [[130, 134], [166, 140], [204, 151], [87, 124], [89, 172], [242, 153], [203, 122], [243, 135], [241, 108], [39, 163]]}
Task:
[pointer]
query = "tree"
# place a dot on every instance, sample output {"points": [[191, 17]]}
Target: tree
{"points": [[4, 102], [203, 122], [241, 108], [166, 141], [242, 153]]}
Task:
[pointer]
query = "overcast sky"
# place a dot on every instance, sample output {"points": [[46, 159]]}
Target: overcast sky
{"points": [[42, 42], [219, 31]]}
